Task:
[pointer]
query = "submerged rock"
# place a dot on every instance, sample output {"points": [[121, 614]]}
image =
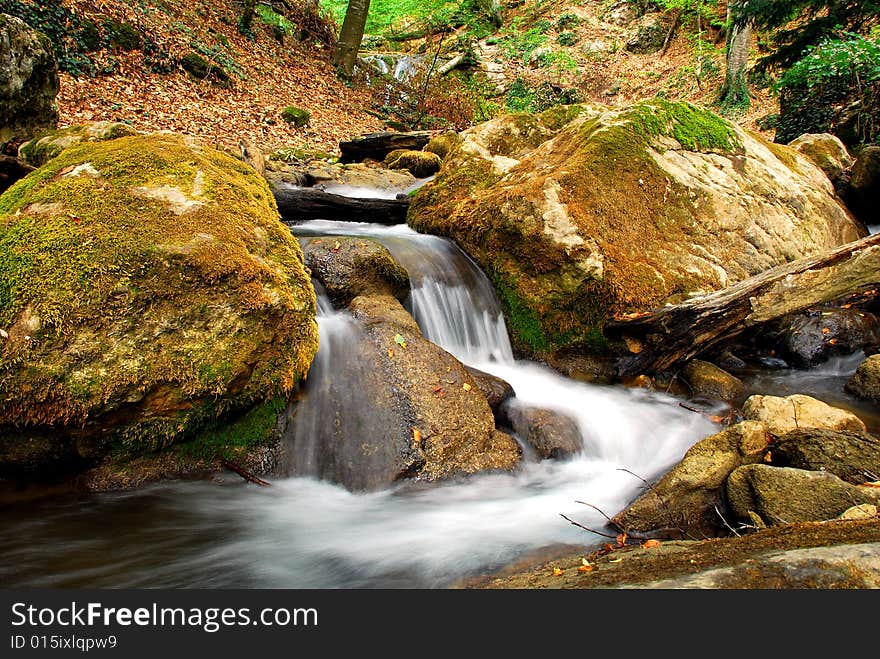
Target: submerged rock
{"points": [[783, 495], [582, 213], [496, 390], [147, 288], [689, 500], [28, 82]]}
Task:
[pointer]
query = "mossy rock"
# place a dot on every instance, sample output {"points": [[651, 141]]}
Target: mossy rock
{"points": [[582, 213], [442, 144], [40, 150], [296, 116], [200, 68], [147, 288], [420, 164]]}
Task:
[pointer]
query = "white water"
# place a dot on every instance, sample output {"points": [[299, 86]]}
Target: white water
{"points": [[303, 532]]}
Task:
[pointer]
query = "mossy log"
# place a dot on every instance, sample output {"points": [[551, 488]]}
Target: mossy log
{"points": [[661, 338], [379, 145], [299, 204]]}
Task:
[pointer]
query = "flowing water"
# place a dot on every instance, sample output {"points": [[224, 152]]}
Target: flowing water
{"points": [[306, 533]]}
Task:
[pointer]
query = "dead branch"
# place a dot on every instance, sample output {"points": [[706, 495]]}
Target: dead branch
{"points": [[245, 474]]}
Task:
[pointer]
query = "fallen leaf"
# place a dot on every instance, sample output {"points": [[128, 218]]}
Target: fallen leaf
{"points": [[585, 568], [871, 484], [417, 436], [615, 560], [825, 330], [399, 340], [390, 352], [336, 246], [621, 539], [650, 544], [717, 419], [768, 457], [466, 386], [832, 342], [557, 572]]}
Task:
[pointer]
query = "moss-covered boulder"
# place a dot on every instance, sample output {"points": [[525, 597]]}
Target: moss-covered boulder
{"points": [[147, 288], [28, 82], [420, 164], [583, 213], [40, 150], [865, 382], [348, 267]]}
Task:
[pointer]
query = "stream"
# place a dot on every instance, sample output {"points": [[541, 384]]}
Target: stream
{"points": [[306, 533]]}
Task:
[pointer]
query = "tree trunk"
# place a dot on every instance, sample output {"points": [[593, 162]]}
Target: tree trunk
{"points": [[735, 91], [301, 204], [660, 339], [350, 36]]}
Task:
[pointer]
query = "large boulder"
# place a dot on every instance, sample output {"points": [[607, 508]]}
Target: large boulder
{"points": [[796, 412], [782, 495], [40, 150], [583, 213], [648, 34], [28, 82], [689, 500], [849, 455], [348, 267], [707, 380], [147, 288], [865, 382]]}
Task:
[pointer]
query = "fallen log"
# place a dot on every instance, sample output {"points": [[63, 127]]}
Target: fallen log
{"points": [[297, 204], [379, 145], [659, 339]]}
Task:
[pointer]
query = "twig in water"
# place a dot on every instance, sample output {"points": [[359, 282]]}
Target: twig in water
{"points": [[245, 474], [586, 528]]}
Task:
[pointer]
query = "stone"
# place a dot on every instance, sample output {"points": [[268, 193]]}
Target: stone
{"points": [[851, 456], [197, 302], [40, 150], [648, 34], [420, 164], [496, 390], [863, 190], [709, 381], [349, 267], [865, 382], [28, 82], [683, 502], [862, 511], [783, 495], [810, 338], [826, 151], [581, 214], [552, 434], [795, 412]]}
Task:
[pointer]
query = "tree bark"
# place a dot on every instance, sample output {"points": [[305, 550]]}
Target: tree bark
{"points": [[660, 339], [301, 204], [350, 35], [735, 90]]}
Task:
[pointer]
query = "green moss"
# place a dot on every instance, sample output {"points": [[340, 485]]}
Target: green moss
{"points": [[122, 35], [231, 439], [695, 128], [296, 116], [524, 324], [557, 117], [40, 150], [161, 320]]}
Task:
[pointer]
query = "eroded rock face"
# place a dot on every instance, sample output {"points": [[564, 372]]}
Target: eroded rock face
{"points": [[826, 151], [28, 82], [147, 287], [781, 495], [784, 415], [683, 503], [584, 213]]}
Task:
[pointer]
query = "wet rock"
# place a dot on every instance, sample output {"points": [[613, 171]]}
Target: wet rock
{"points": [[810, 338], [709, 381], [865, 382], [851, 456], [551, 433], [862, 511], [348, 267], [28, 82], [784, 415], [496, 390], [782, 495], [683, 502]]}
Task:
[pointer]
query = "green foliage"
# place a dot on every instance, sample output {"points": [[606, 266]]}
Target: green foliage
{"points": [[522, 97], [567, 21], [279, 24], [566, 39], [799, 25], [838, 73], [386, 13]]}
